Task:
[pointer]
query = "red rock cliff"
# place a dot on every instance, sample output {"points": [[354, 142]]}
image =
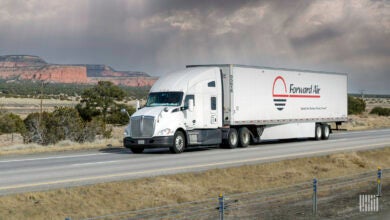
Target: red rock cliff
{"points": [[26, 67], [58, 74]]}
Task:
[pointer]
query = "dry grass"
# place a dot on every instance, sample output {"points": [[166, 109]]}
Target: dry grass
{"points": [[365, 121], [101, 199], [25, 106], [16, 146], [26, 102], [376, 102]]}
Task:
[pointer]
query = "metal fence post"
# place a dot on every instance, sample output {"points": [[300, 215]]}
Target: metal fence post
{"points": [[221, 206], [379, 184], [314, 196]]}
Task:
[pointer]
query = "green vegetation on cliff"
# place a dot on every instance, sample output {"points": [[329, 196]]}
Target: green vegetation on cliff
{"points": [[28, 89]]}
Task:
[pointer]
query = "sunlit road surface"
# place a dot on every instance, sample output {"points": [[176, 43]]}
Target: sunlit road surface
{"points": [[49, 171]]}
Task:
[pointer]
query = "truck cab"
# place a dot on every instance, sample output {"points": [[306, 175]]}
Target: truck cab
{"points": [[183, 109]]}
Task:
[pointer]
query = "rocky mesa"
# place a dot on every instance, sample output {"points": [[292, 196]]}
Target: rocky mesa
{"points": [[34, 68]]}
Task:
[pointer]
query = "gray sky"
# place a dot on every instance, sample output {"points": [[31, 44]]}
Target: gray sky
{"points": [[159, 36]]}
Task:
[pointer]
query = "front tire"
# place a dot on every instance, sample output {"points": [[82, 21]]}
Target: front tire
{"points": [[179, 143], [137, 150], [244, 137]]}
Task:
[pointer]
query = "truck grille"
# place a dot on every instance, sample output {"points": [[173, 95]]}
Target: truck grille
{"points": [[142, 126]]}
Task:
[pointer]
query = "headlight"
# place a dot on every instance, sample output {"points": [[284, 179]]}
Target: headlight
{"points": [[127, 131], [165, 132]]}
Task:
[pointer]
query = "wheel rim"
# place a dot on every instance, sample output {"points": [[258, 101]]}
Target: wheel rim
{"points": [[318, 131], [233, 138], [326, 131], [245, 137], [179, 143]]}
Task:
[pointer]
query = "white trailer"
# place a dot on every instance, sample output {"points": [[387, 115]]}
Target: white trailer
{"points": [[235, 105]]}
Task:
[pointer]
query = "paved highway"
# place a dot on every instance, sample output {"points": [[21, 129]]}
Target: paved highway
{"points": [[48, 171]]}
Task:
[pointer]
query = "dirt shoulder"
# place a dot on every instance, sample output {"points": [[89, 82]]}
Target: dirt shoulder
{"points": [[106, 198]]}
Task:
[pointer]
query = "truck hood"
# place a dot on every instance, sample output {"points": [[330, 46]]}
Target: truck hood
{"points": [[151, 111]]}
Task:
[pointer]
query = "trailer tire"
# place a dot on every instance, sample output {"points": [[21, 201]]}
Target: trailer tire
{"points": [[244, 137], [325, 132], [232, 140], [179, 143], [318, 132], [137, 150]]}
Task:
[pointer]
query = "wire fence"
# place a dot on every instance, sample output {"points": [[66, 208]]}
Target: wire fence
{"points": [[337, 197]]}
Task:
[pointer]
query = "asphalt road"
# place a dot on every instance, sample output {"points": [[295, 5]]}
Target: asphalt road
{"points": [[48, 171]]}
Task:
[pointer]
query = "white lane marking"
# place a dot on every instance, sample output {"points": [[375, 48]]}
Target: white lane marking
{"points": [[162, 170], [95, 163], [50, 158], [360, 132]]}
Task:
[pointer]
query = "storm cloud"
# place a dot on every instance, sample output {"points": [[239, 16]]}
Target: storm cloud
{"points": [[165, 35]]}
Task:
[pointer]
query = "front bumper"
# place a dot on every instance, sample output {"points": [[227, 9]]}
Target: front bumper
{"points": [[154, 142]]}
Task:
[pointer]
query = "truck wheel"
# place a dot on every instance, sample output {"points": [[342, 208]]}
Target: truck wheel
{"points": [[244, 137], [318, 132], [137, 150], [179, 143], [232, 140], [325, 132]]}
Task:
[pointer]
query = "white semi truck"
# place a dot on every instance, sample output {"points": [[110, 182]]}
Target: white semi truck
{"points": [[235, 105]]}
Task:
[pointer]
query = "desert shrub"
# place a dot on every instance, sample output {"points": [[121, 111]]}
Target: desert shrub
{"points": [[118, 118], [63, 123], [35, 128], [69, 123], [87, 112], [381, 111], [29, 89], [96, 127], [98, 100], [356, 105], [10, 123]]}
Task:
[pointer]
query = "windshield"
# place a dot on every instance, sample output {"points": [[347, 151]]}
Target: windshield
{"points": [[164, 99]]}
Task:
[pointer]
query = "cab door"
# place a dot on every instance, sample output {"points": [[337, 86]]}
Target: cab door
{"points": [[212, 104], [213, 110], [190, 114]]}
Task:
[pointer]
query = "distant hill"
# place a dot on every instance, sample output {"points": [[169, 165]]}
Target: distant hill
{"points": [[34, 68], [97, 70]]}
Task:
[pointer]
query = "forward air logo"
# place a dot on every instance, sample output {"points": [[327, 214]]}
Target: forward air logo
{"points": [[281, 93]]}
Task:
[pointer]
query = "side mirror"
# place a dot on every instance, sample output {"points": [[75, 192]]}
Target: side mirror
{"points": [[124, 111], [191, 105], [137, 105]]}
